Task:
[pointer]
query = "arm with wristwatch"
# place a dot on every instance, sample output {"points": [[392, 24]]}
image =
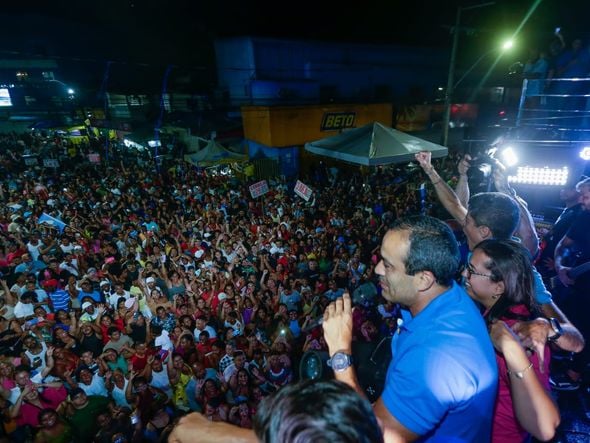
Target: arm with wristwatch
{"points": [[337, 325]]}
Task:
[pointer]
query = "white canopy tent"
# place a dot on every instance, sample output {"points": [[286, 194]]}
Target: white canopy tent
{"points": [[374, 144]]}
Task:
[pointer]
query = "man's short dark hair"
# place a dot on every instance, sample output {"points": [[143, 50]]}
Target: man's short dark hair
{"points": [[76, 391], [432, 247], [322, 411], [497, 211], [112, 330]]}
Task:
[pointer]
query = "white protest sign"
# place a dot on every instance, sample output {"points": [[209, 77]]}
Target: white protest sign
{"points": [[258, 189], [302, 190]]}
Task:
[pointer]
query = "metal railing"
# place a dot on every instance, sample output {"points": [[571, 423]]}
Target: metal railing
{"points": [[559, 107]]}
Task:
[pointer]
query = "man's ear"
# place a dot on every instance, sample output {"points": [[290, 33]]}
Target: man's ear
{"points": [[424, 280], [485, 232]]}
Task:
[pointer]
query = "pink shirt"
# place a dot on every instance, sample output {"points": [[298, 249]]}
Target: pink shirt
{"points": [[506, 428], [49, 398]]}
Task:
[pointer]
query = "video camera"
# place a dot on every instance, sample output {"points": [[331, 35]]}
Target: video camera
{"points": [[484, 161]]}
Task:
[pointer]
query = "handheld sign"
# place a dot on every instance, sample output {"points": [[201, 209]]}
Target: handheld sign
{"points": [[302, 190], [258, 189]]}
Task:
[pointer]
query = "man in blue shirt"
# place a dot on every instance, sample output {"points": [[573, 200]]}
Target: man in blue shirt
{"points": [[333, 291], [86, 290], [60, 299], [441, 384]]}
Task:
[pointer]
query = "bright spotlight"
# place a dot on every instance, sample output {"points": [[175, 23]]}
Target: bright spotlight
{"points": [[509, 157], [507, 45], [70, 91], [540, 176], [585, 153]]}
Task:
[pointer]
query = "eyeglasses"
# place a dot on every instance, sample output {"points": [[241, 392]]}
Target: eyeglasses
{"points": [[470, 271]]}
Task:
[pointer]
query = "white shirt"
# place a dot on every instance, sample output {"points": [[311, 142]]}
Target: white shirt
{"points": [[71, 267], [112, 300], [163, 340], [96, 386], [34, 250], [22, 310], [162, 381], [209, 329], [66, 249]]}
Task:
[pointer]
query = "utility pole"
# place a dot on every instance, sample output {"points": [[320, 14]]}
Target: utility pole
{"points": [[451, 77]]}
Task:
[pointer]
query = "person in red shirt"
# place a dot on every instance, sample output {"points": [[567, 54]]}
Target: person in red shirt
{"points": [[105, 321], [139, 359], [31, 401], [204, 344]]}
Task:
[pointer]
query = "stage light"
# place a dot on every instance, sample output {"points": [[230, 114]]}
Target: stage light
{"points": [[509, 157], [540, 176], [585, 153], [70, 91]]}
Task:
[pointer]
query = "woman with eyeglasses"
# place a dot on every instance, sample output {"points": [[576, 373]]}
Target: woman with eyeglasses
{"points": [[499, 276]]}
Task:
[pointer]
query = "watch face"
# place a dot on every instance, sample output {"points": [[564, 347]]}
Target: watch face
{"points": [[340, 361]]}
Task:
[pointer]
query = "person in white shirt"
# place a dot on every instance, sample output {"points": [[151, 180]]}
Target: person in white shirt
{"points": [[89, 314], [90, 384], [25, 309], [162, 340], [201, 325], [119, 293], [70, 264], [66, 246]]}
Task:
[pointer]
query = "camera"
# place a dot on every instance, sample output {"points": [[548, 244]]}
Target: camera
{"points": [[483, 161]]}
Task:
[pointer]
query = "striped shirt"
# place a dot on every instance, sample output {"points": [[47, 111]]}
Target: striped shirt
{"points": [[60, 299]]}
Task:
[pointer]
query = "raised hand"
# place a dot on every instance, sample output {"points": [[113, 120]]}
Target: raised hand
{"points": [[424, 159], [338, 324]]}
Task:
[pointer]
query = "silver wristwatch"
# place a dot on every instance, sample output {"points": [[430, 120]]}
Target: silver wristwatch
{"points": [[340, 361]]}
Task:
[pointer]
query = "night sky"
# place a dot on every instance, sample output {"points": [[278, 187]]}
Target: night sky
{"points": [[149, 34]]}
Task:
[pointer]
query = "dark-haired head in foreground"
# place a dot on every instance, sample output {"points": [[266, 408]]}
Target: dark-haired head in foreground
{"points": [[320, 411]]}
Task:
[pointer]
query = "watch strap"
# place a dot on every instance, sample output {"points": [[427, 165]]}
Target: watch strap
{"points": [[556, 327]]}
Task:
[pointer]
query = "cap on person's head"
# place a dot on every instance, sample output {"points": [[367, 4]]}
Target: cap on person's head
{"points": [[222, 296], [51, 283], [91, 271], [150, 280], [199, 253], [86, 305], [104, 283]]}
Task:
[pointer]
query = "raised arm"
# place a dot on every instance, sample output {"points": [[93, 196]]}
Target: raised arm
{"points": [[526, 227], [445, 194], [462, 188]]}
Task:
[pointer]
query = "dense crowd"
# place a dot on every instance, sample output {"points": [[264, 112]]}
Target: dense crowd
{"points": [[133, 295]]}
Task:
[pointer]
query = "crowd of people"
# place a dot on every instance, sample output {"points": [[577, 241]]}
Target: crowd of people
{"points": [[133, 296], [138, 296]]}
